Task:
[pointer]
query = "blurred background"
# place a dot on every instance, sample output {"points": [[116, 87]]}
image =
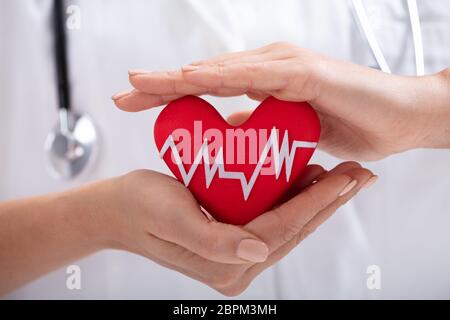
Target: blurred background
{"points": [[401, 225]]}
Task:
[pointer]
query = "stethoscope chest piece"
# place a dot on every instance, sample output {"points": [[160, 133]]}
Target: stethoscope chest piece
{"points": [[71, 146]]}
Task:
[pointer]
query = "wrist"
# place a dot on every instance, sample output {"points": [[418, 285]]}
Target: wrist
{"points": [[435, 107], [91, 210]]}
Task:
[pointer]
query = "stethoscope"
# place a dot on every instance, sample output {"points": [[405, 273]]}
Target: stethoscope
{"points": [[373, 42], [70, 146]]}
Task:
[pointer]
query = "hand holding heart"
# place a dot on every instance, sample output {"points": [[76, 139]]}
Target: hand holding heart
{"points": [[166, 223], [157, 217], [365, 114]]}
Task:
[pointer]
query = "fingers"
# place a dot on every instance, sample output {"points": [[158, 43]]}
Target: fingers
{"points": [[170, 83], [340, 168], [216, 275], [178, 219], [259, 76], [135, 101], [173, 83], [218, 242], [215, 241], [362, 176], [159, 88], [228, 57], [311, 173], [272, 70], [351, 169], [251, 56], [163, 83], [308, 176], [356, 174], [283, 79], [284, 223]]}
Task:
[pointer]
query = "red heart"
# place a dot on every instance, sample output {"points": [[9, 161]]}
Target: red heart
{"points": [[231, 197]]}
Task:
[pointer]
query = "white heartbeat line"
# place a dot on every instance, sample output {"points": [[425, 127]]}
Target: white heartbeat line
{"points": [[283, 155]]}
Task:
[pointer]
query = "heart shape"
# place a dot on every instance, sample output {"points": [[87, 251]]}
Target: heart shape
{"points": [[237, 172]]}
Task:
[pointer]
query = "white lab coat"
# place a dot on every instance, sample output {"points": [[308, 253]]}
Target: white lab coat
{"points": [[400, 225]]}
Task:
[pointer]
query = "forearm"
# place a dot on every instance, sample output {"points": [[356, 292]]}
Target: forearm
{"points": [[40, 234], [420, 105]]}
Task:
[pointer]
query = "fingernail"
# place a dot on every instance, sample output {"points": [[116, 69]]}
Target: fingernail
{"points": [[370, 182], [134, 72], [348, 188], [121, 95], [189, 68], [252, 250], [207, 214]]}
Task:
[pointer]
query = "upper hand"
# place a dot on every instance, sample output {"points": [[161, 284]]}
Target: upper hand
{"points": [[365, 114]]}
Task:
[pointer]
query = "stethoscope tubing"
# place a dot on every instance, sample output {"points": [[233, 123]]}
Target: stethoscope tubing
{"points": [[60, 53], [373, 42]]}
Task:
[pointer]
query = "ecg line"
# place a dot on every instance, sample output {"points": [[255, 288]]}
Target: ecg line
{"points": [[281, 155]]}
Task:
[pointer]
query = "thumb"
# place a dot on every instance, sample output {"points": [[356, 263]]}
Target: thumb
{"points": [[283, 223], [210, 239], [230, 244]]}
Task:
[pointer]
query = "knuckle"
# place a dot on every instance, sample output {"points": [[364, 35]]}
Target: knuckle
{"points": [[252, 67], [288, 228], [219, 73], [174, 88], [303, 234], [292, 220], [312, 200], [353, 164], [250, 72], [174, 85]]}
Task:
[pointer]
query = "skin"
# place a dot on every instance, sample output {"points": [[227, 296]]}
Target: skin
{"points": [[153, 215], [365, 114]]}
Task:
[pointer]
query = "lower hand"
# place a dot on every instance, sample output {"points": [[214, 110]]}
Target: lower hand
{"points": [[157, 217], [153, 215]]}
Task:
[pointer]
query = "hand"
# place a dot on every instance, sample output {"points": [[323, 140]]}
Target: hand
{"points": [[365, 114], [155, 216]]}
